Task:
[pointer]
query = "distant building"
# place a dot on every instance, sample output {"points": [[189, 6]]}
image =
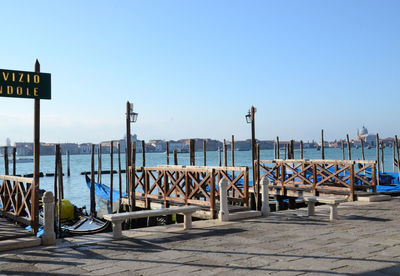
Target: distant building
{"points": [[369, 139]]}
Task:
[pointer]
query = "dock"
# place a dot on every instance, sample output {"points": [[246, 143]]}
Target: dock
{"points": [[13, 237], [365, 240]]}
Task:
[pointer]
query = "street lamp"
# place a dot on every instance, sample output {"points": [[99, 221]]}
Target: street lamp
{"points": [[131, 117], [250, 119]]}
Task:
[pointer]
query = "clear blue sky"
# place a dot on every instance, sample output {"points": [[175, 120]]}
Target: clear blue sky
{"points": [[194, 68]]}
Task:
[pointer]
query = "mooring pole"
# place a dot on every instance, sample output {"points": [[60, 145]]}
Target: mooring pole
{"points": [[348, 146], [205, 152], [36, 160], [377, 158], [119, 175], [167, 151], [322, 145], [92, 191], [277, 148], [68, 164], [398, 156], [111, 174]]}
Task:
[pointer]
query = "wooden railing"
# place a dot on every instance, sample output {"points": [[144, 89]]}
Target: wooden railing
{"points": [[314, 176], [187, 185], [16, 199]]}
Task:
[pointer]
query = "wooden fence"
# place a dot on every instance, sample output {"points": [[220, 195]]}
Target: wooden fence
{"points": [[187, 185], [16, 199], [344, 177]]}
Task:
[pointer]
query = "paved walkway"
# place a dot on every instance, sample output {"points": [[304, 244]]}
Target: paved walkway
{"points": [[365, 241]]}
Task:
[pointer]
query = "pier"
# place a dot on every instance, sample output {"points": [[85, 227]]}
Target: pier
{"points": [[365, 240]]}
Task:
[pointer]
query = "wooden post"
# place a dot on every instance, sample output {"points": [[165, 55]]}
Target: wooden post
{"points": [[257, 181], [397, 153], [6, 167], [301, 150], [14, 154], [111, 174], [205, 152], [348, 147], [167, 151], [192, 152], [55, 187], [343, 157], [394, 156], [36, 160], [143, 153], [233, 155], [68, 164], [99, 150], [291, 149], [377, 159], [274, 150], [60, 188], [128, 140], [92, 192], [277, 147], [219, 158], [132, 181], [212, 193], [119, 175], [253, 142], [352, 195], [60, 176], [175, 158], [382, 158], [225, 154], [362, 149], [322, 145]]}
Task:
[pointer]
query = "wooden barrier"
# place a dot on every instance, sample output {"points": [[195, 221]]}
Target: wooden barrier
{"points": [[16, 198], [189, 185], [315, 176]]}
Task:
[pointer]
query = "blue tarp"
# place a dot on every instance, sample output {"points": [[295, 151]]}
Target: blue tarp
{"points": [[103, 191]]}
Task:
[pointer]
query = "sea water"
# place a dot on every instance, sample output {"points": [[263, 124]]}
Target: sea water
{"points": [[76, 190]]}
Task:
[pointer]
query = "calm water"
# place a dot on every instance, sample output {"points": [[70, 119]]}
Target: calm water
{"points": [[76, 191]]}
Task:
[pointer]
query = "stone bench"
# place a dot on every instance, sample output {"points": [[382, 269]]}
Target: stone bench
{"points": [[332, 202], [117, 219]]}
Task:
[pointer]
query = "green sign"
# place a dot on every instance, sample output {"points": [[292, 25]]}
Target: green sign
{"points": [[21, 84]]}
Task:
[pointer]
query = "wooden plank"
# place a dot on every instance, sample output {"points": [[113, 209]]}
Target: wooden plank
{"points": [[17, 178]]}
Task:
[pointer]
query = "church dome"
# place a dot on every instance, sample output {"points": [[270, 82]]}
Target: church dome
{"points": [[363, 132]]}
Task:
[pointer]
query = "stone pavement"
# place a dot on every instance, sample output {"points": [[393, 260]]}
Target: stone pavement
{"points": [[365, 241]]}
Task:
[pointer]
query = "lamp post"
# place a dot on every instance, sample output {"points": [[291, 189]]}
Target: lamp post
{"points": [[131, 117], [250, 119]]}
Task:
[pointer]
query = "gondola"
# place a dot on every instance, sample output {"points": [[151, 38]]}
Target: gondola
{"points": [[87, 225]]}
